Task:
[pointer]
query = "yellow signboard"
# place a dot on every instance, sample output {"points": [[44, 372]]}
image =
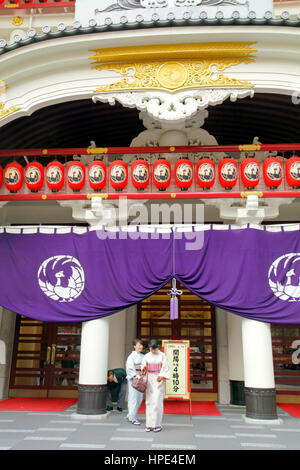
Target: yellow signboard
{"points": [[178, 355]]}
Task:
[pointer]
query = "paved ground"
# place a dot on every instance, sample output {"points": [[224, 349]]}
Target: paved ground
{"points": [[60, 431]]}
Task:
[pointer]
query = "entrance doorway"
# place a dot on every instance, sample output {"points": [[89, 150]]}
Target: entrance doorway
{"points": [[45, 359], [196, 323], [286, 356]]}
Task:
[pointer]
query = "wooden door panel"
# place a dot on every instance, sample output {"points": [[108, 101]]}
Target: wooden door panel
{"points": [[196, 323], [41, 361]]}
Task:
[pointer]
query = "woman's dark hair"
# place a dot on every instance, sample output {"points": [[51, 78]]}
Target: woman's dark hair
{"points": [[153, 343], [110, 372], [136, 341]]}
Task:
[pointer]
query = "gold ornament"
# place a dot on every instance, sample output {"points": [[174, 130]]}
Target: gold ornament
{"points": [[252, 193], [17, 21], [249, 148], [97, 150], [8, 111], [3, 87], [5, 112], [196, 65], [172, 75], [103, 195]]}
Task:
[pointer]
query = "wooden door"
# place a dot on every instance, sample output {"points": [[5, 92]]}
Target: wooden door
{"points": [[45, 359], [196, 323], [286, 357]]}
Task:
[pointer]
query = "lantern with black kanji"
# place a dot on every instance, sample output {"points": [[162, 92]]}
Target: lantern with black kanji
{"points": [[273, 172], [162, 174], [76, 175], [140, 174], [183, 173], [250, 172], [97, 175], [13, 177], [34, 176], [228, 172], [206, 173], [55, 176], [292, 170], [118, 175]]}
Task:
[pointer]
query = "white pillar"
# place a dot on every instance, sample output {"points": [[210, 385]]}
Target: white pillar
{"points": [[235, 359], [222, 357], [94, 350], [258, 354], [260, 393], [256, 347], [93, 367]]}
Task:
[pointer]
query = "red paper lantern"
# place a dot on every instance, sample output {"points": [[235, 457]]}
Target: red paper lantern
{"points": [[292, 170], [118, 175], [55, 176], [206, 173], [273, 172], [97, 175], [1, 176], [184, 173], [34, 176], [250, 172], [162, 174], [76, 175], [140, 174], [228, 172], [13, 176]]}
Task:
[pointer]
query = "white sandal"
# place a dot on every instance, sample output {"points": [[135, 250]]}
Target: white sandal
{"points": [[159, 428]]}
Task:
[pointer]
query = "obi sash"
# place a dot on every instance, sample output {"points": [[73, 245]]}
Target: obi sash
{"points": [[154, 368]]}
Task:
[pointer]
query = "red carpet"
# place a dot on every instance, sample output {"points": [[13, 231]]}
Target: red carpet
{"points": [[36, 404], [178, 407], [292, 409]]}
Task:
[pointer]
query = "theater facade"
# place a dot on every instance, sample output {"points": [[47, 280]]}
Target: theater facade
{"points": [[151, 117]]}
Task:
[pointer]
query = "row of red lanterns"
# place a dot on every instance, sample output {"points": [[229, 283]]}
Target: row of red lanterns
{"points": [[34, 174]]}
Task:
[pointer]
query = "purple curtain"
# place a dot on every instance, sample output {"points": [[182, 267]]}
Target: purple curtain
{"points": [[77, 277], [250, 272], [70, 277]]}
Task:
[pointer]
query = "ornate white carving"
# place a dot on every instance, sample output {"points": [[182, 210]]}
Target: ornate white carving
{"points": [[123, 11], [253, 209], [133, 4], [177, 107], [194, 135], [154, 3]]}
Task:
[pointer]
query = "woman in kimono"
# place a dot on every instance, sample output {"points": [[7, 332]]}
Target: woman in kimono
{"points": [[133, 368], [155, 364]]}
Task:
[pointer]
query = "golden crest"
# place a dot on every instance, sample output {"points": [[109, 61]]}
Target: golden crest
{"points": [[173, 67], [172, 75]]}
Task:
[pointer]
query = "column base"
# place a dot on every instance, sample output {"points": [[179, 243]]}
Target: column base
{"points": [[81, 417], [237, 392], [91, 399], [265, 422], [261, 403]]}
